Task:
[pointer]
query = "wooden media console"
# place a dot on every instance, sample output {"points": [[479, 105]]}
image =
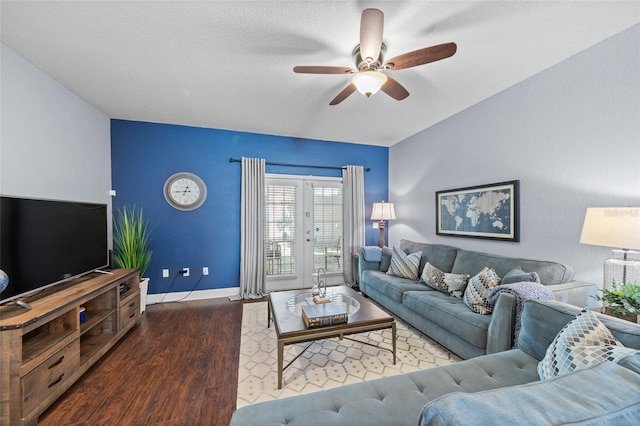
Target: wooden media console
{"points": [[44, 350]]}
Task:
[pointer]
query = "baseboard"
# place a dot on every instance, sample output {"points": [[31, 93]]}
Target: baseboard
{"points": [[192, 295]]}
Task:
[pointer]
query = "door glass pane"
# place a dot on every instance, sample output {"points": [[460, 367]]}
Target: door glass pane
{"points": [[327, 222], [280, 229]]}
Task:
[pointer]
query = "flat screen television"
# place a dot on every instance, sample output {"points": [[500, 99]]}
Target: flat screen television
{"points": [[48, 242]]}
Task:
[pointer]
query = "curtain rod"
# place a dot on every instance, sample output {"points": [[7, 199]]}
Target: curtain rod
{"points": [[271, 163]]}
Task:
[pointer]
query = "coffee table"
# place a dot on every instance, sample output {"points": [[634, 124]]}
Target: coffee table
{"points": [[285, 308]]}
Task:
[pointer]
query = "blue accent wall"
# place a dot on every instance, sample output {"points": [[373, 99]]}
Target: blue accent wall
{"points": [[144, 155]]}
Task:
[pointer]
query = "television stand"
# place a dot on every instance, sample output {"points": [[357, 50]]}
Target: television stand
{"points": [[46, 349]]}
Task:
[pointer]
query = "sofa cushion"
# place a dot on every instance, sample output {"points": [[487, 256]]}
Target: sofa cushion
{"points": [[543, 320], [517, 275], [470, 262], [404, 265], [632, 363], [452, 284], [392, 287], [582, 343], [589, 396], [439, 255], [451, 314], [476, 295]]}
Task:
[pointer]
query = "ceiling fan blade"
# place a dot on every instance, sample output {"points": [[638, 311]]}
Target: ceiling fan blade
{"points": [[394, 89], [371, 27], [421, 56], [323, 70], [344, 94]]}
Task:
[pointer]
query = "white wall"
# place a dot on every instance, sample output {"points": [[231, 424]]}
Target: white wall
{"points": [[570, 134], [53, 144]]}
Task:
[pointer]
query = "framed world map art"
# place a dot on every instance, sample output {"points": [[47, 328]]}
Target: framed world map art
{"points": [[484, 211]]}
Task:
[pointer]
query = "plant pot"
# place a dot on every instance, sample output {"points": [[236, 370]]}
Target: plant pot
{"points": [[628, 317], [144, 289]]}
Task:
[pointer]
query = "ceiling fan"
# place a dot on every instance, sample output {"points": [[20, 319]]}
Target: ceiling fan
{"points": [[368, 55]]}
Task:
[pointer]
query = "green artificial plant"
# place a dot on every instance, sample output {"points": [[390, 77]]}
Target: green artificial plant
{"points": [[622, 299], [131, 239]]}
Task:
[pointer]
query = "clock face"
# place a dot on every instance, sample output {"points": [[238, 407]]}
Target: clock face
{"points": [[185, 191]]}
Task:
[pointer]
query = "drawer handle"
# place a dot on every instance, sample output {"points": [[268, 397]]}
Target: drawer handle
{"points": [[55, 382], [56, 363], [131, 304], [132, 314]]}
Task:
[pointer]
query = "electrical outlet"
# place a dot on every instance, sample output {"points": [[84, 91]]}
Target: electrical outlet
{"points": [[205, 270], [376, 225], [185, 272], [165, 273]]}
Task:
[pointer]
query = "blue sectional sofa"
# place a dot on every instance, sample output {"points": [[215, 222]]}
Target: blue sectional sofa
{"points": [[499, 388], [446, 319]]}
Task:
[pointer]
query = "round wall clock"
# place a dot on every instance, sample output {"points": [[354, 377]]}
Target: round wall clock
{"points": [[185, 191]]}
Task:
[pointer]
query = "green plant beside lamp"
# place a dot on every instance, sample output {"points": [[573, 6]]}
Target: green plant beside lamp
{"points": [[131, 245], [622, 300]]}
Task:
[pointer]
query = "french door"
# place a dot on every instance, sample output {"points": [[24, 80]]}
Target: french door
{"points": [[303, 231]]}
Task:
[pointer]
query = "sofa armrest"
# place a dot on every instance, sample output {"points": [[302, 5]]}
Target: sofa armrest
{"points": [[364, 265], [576, 293], [502, 325]]}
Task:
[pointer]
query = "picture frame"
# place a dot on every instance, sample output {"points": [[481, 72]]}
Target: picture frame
{"points": [[490, 211]]}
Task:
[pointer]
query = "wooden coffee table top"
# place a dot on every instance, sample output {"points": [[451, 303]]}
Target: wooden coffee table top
{"points": [[286, 305]]}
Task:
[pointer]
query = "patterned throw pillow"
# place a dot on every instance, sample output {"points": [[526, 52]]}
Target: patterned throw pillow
{"points": [[517, 275], [477, 291], [456, 283], [582, 343], [404, 265], [452, 284]]}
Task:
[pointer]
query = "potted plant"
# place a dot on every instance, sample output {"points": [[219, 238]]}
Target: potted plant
{"points": [[622, 301], [131, 245]]}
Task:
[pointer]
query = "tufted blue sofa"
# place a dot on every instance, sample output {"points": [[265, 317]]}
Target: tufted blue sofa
{"points": [[499, 388], [446, 319]]}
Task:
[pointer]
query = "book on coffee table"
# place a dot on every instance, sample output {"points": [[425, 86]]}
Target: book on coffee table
{"points": [[319, 315]]}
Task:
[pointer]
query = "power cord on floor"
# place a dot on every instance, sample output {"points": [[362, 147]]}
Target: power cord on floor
{"points": [[180, 272]]}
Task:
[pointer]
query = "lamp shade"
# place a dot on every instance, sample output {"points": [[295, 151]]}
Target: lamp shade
{"points": [[383, 211], [369, 82], [617, 227]]}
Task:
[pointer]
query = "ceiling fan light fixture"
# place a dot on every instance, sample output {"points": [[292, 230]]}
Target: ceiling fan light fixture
{"points": [[369, 82]]}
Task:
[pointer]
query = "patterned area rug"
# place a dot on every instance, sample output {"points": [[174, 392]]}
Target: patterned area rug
{"points": [[327, 363]]}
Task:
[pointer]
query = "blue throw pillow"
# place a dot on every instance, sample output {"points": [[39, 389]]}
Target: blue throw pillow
{"points": [[517, 275]]}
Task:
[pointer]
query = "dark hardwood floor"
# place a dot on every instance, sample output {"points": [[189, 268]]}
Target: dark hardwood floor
{"points": [[178, 367]]}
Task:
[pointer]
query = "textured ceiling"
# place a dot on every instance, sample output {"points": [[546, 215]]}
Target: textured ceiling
{"points": [[228, 64]]}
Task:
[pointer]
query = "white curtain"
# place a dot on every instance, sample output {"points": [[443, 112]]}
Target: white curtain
{"points": [[252, 258], [353, 219]]}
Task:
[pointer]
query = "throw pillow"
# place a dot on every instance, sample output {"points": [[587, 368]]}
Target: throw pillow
{"points": [[456, 283], [582, 343], [452, 284], [477, 292], [433, 277], [517, 275], [404, 265], [386, 259]]}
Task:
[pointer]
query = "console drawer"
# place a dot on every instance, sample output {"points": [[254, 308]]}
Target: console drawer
{"points": [[129, 312], [38, 384]]}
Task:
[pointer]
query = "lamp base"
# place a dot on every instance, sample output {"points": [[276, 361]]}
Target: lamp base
{"points": [[622, 267], [381, 240]]}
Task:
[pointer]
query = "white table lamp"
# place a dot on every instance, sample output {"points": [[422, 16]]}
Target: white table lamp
{"points": [[617, 227]]}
